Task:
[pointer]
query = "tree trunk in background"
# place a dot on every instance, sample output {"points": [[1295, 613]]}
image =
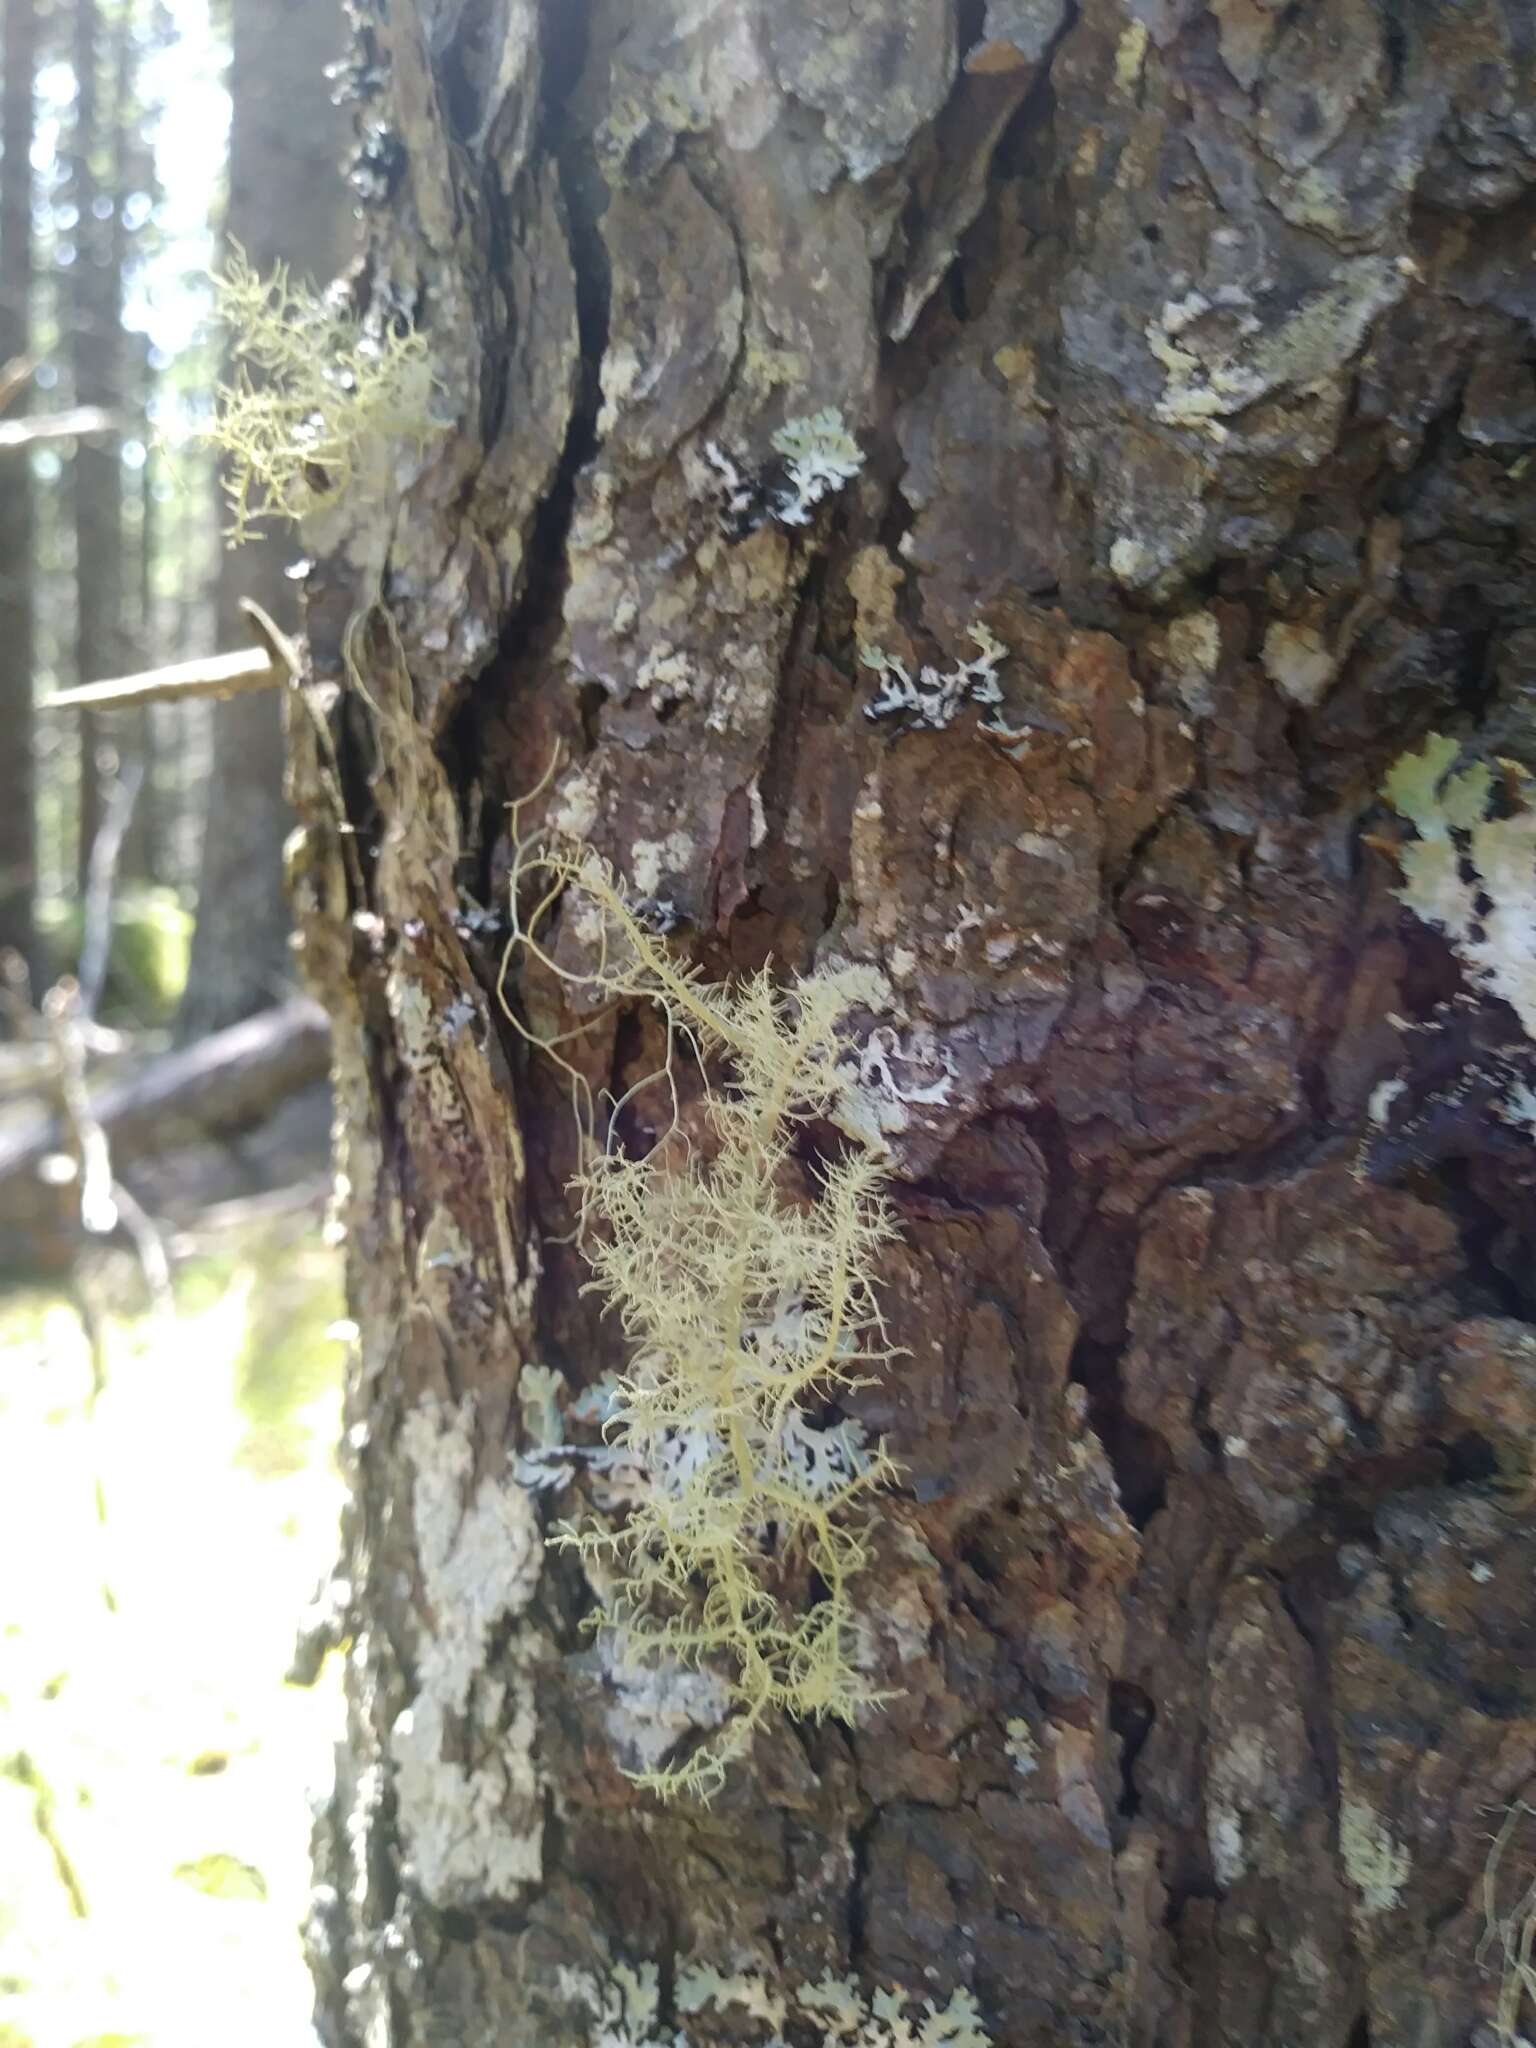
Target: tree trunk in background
{"points": [[18, 829], [1190, 346], [93, 301], [286, 203], [163, 727], [132, 169]]}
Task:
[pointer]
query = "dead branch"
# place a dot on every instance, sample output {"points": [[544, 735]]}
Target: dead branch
{"points": [[273, 660], [225, 1083], [15, 375], [62, 1007], [101, 881], [217, 675], [80, 422]]}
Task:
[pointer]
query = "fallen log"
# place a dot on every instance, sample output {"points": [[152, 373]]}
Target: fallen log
{"points": [[225, 1083]]}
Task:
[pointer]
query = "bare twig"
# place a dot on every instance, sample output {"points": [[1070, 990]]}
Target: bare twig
{"points": [[21, 1768], [79, 422], [101, 875], [272, 661], [30, 1033], [1509, 1933], [154, 1259], [98, 1210], [15, 376], [268, 634], [104, 1202], [215, 675]]}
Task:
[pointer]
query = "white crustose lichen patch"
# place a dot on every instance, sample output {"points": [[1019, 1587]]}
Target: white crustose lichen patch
{"points": [[469, 1811]]}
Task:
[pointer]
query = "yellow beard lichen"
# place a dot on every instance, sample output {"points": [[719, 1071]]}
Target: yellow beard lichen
{"points": [[748, 1307], [314, 393]]}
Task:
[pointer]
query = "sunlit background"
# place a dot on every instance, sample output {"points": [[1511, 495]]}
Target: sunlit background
{"points": [[168, 1492], [176, 123]]}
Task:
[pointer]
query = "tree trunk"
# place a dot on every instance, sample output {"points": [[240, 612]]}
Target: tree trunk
{"points": [[286, 204], [1189, 348], [94, 300], [129, 162], [18, 830]]}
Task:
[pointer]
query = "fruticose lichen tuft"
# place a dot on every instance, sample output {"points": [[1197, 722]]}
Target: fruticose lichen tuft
{"points": [[315, 393], [749, 1307]]}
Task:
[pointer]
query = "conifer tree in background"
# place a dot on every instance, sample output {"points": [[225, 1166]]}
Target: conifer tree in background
{"points": [[18, 66], [286, 204], [133, 730], [93, 299]]}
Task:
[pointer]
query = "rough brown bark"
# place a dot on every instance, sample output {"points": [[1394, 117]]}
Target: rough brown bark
{"points": [[286, 204], [1191, 349], [18, 852]]}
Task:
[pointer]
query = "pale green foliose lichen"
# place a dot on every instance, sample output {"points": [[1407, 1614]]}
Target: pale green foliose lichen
{"points": [[1377, 1866], [933, 697], [1471, 872], [625, 2011], [820, 457]]}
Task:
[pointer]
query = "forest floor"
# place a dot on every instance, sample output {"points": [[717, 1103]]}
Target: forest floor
{"points": [[154, 1763]]}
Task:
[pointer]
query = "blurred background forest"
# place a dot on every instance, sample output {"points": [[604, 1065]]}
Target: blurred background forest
{"points": [[171, 1325]]}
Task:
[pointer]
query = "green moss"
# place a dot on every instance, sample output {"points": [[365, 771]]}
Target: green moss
{"points": [[150, 952]]}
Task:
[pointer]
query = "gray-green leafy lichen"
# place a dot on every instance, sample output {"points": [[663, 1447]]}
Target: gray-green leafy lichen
{"points": [[625, 2011], [1471, 872]]}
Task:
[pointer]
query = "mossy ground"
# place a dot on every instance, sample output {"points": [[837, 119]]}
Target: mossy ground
{"points": [[154, 1738], [151, 946]]}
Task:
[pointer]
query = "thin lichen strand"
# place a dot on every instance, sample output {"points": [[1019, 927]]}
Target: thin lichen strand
{"points": [[746, 1308], [312, 390]]}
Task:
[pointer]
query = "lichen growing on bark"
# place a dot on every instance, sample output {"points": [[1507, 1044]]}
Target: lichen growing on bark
{"points": [[933, 697], [749, 1311], [625, 2009], [1471, 872], [469, 1821], [1377, 1866], [313, 390]]}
